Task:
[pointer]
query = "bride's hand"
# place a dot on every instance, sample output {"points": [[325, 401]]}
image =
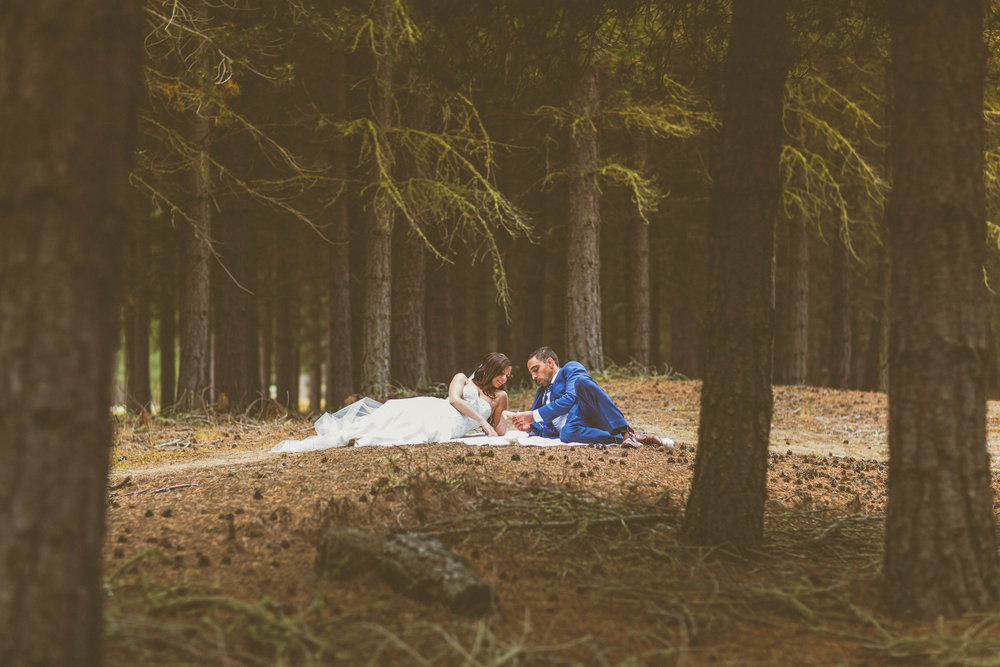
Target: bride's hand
{"points": [[489, 430]]}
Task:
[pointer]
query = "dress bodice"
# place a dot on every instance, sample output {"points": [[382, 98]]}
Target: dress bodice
{"points": [[473, 397]]}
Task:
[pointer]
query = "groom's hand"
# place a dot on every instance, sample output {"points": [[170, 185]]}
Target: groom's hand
{"points": [[522, 420]]}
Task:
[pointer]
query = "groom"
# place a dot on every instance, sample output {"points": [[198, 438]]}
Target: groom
{"points": [[570, 406]]}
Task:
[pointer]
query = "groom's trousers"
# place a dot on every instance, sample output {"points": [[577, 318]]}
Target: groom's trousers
{"points": [[594, 418]]}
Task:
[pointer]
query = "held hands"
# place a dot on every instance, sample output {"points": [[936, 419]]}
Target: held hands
{"points": [[521, 420]]}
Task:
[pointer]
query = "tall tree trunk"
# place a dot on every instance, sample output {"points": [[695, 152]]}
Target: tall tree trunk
{"points": [[840, 315], [883, 350], [583, 271], [798, 299], [236, 354], [637, 275], [940, 550], [441, 320], [195, 298], [339, 347], [375, 359], [726, 505], [266, 299], [128, 334], [166, 305], [286, 321], [409, 267], [138, 393], [316, 326], [69, 82], [656, 353], [409, 339], [526, 331]]}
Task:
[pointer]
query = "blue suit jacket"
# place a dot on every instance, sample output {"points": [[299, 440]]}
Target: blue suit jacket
{"points": [[561, 400]]}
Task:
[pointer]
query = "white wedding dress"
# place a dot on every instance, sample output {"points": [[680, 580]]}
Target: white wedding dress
{"points": [[400, 421]]}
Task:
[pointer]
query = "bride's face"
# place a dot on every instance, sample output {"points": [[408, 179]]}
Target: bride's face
{"points": [[501, 379]]}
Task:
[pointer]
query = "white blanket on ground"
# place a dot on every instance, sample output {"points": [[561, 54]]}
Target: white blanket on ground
{"points": [[515, 437]]}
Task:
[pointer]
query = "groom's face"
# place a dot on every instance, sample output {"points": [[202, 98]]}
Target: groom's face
{"points": [[542, 372]]}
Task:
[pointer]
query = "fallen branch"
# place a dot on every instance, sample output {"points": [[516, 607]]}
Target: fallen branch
{"points": [[178, 441], [161, 489], [115, 487]]}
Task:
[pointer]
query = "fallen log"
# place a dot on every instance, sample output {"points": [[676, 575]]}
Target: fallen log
{"points": [[417, 566]]}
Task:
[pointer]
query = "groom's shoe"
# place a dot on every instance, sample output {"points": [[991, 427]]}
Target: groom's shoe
{"points": [[636, 438], [628, 440], [648, 438]]}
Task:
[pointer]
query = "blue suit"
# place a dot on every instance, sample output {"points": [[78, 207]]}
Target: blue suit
{"points": [[591, 416]]}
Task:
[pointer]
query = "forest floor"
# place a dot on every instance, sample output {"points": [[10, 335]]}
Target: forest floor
{"points": [[211, 543]]}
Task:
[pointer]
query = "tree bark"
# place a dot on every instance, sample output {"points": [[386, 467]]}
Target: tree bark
{"points": [[726, 505], [940, 551], [409, 339], [442, 356], [840, 315], [375, 360], [69, 83], [637, 275], [798, 300], [316, 368], [166, 305], [339, 347], [138, 392], [583, 271], [286, 321], [195, 298], [236, 356]]}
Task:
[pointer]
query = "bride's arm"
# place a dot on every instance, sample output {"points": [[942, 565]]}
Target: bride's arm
{"points": [[455, 398], [498, 417]]}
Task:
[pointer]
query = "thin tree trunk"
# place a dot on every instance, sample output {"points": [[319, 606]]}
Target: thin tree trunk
{"points": [[236, 373], [441, 320], [583, 285], [840, 315], [726, 505], [798, 300], [286, 371], [940, 549], [195, 298], [409, 336], [140, 391], [883, 350], [656, 358], [316, 369], [375, 360], [637, 275], [166, 302], [69, 82], [128, 334], [339, 346], [409, 340]]}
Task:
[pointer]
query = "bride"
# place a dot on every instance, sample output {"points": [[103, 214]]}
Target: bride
{"points": [[475, 401]]}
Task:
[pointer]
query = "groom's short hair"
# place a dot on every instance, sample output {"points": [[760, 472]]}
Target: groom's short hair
{"points": [[543, 353]]}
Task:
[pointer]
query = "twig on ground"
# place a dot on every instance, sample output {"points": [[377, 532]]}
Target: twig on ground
{"points": [[161, 489], [178, 441]]}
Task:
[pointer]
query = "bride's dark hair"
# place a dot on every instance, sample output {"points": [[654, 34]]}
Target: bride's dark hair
{"points": [[489, 368]]}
